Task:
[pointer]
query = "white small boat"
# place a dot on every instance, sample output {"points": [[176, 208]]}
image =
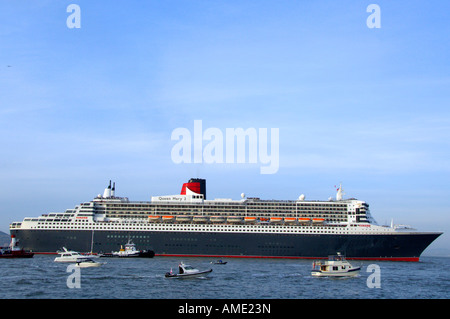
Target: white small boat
{"points": [[86, 263], [187, 271], [335, 266], [70, 256]]}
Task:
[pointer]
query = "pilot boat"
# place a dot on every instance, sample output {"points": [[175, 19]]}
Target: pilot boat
{"points": [[335, 266], [187, 271]]}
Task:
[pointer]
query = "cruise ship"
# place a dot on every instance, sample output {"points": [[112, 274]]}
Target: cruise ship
{"points": [[188, 224]]}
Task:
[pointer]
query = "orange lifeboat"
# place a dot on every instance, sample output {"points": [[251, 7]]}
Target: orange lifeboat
{"points": [[304, 220], [276, 219], [154, 218], [250, 219], [168, 218], [318, 220]]}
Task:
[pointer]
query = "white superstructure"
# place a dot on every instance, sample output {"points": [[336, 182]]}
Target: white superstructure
{"points": [[192, 212]]}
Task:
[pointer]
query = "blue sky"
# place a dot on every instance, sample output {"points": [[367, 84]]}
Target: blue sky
{"points": [[365, 107]]}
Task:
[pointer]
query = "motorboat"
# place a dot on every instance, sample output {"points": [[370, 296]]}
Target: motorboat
{"points": [[87, 262], [219, 262], [70, 256], [335, 266], [130, 251], [187, 271]]}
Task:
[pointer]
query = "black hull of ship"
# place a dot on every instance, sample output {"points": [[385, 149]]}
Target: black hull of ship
{"points": [[398, 247]]}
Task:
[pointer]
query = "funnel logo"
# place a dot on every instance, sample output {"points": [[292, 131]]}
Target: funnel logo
{"points": [[230, 147]]}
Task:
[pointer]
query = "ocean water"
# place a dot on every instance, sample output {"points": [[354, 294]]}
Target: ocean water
{"points": [[140, 278]]}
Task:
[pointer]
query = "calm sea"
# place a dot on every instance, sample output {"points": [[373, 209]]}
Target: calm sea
{"points": [[41, 278]]}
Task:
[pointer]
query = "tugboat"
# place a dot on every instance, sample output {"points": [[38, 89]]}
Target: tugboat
{"points": [[130, 251], [335, 266], [187, 271], [14, 251]]}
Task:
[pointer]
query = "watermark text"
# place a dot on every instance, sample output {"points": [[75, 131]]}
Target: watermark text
{"points": [[74, 279], [234, 146], [374, 279]]}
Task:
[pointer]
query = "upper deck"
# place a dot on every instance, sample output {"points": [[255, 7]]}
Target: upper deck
{"points": [[192, 207]]}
